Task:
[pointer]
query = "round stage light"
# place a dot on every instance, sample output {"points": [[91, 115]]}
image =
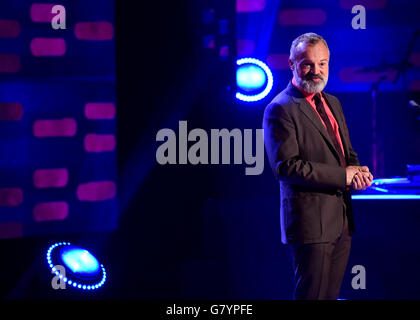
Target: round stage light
{"points": [[254, 79], [250, 77], [80, 261], [82, 269]]}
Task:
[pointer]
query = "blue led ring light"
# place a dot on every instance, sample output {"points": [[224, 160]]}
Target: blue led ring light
{"points": [[83, 270], [269, 83]]}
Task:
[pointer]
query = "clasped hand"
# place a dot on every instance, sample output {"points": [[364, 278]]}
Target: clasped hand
{"points": [[359, 177]]}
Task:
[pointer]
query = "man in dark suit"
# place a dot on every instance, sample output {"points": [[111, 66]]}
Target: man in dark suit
{"points": [[309, 149]]}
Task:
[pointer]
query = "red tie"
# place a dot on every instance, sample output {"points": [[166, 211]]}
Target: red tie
{"points": [[321, 110]]}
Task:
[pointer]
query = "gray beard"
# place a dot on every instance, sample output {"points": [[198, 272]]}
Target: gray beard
{"points": [[309, 85]]}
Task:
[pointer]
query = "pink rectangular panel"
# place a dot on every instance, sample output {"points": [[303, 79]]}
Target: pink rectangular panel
{"points": [[224, 51], [99, 30], [278, 61], [100, 110], [302, 17], [11, 197], [356, 74], [51, 178], [10, 111], [55, 128], [414, 85], [41, 12], [99, 142], [368, 4], [9, 62], [44, 47], [10, 230], [9, 28], [415, 59], [96, 191], [209, 42], [250, 5], [48, 211], [245, 47]]}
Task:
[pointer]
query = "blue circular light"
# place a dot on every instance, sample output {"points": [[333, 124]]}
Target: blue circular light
{"points": [[83, 270], [79, 260], [251, 75]]}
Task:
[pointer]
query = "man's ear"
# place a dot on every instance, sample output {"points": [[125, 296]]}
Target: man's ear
{"points": [[291, 64]]}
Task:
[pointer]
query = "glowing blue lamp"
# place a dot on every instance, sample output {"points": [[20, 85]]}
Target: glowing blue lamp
{"points": [[80, 261], [250, 77], [254, 79], [83, 270]]}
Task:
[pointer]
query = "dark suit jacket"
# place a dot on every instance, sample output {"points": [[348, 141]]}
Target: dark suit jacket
{"points": [[313, 189]]}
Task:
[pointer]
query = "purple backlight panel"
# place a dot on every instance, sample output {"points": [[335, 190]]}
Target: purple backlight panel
{"points": [[58, 168]]}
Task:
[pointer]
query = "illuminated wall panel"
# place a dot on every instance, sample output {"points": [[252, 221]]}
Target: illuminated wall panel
{"points": [[57, 119]]}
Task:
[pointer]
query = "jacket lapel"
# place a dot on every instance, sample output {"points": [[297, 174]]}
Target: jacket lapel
{"points": [[336, 112], [306, 108]]}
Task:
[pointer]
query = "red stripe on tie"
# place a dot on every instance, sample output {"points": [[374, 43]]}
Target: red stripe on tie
{"points": [[11, 111], [100, 110], [9, 62], [96, 191], [55, 128], [41, 12], [10, 230], [51, 178], [99, 142], [11, 197], [368, 4], [9, 29], [250, 5], [48, 211], [101, 30], [302, 17], [45, 47], [278, 61]]}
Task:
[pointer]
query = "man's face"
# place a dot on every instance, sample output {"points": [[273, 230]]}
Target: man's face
{"points": [[310, 68]]}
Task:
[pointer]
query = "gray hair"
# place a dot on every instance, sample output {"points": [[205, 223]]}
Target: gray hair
{"points": [[310, 37]]}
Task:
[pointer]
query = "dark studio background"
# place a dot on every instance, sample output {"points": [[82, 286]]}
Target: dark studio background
{"points": [[211, 232]]}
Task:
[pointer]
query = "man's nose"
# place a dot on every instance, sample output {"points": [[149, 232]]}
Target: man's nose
{"points": [[315, 69]]}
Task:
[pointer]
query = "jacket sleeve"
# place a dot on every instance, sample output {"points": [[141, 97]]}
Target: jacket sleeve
{"points": [[284, 156]]}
